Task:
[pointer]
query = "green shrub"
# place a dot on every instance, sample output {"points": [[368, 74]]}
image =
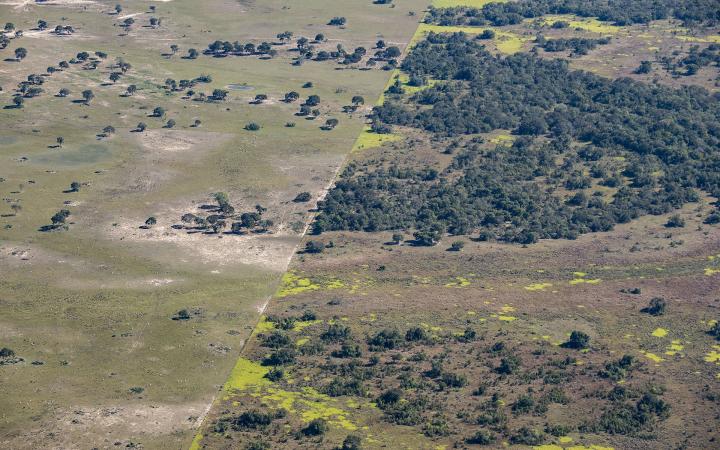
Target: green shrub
{"points": [[316, 427], [656, 307], [385, 339], [282, 356], [578, 340], [336, 333], [481, 437], [527, 436]]}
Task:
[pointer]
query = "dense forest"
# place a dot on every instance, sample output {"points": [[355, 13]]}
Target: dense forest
{"points": [[652, 146], [620, 12]]}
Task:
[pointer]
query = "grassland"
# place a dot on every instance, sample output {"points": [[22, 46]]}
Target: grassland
{"points": [[529, 299], [89, 309]]}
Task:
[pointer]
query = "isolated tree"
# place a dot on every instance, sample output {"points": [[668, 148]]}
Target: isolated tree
{"points": [[20, 53], [392, 52], [656, 307], [60, 141], [291, 96], [675, 221], [159, 111], [302, 197], [644, 67], [285, 36], [319, 37], [60, 217], [42, 25], [150, 221], [252, 126], [87, 96], [141, 127], [380, 44], [154, 22], [64, 92], [118, 9], [578, 340], [487, 34], [174, 48], [114, 77], [64, 64], [170, 123], [75, 186], [18, 101], [715, 330], [358, 100], [337, 21], [331, 123], [9, 27], [16, 208], [108, 130], [196, 123], [302, 43], [222, 199], [219, 94], [314, 247], [192, 53], [397, 238], [131, 89], [123, 65]]}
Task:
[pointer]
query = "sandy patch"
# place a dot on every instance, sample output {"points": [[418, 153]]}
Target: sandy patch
{"points": [[270, 251], [103, 427], [159, 142]]}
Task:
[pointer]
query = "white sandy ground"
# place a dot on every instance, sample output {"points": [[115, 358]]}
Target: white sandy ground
{"points": [[20, 4]]}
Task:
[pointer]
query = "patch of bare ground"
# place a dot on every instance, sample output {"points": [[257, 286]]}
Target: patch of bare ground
{"points": [[270, 251], [109, 426]]}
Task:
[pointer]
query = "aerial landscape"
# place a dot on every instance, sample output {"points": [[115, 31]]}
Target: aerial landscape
{"points": [[360, 224]]}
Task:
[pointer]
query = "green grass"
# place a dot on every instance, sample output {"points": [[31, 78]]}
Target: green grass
{"points": [[82, 286]]}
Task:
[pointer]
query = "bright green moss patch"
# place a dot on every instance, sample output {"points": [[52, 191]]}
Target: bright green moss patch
{"points": [[588, 24], [458, 282], [293, 284], [264, 325], [580, 279], [674, 347], [299, 326], [652, 356], [538, 286], [713, 356], [309, 404], [246, 374], [409, 90], [509, 43], [195, 445], [660, 332], [368, 139]]}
